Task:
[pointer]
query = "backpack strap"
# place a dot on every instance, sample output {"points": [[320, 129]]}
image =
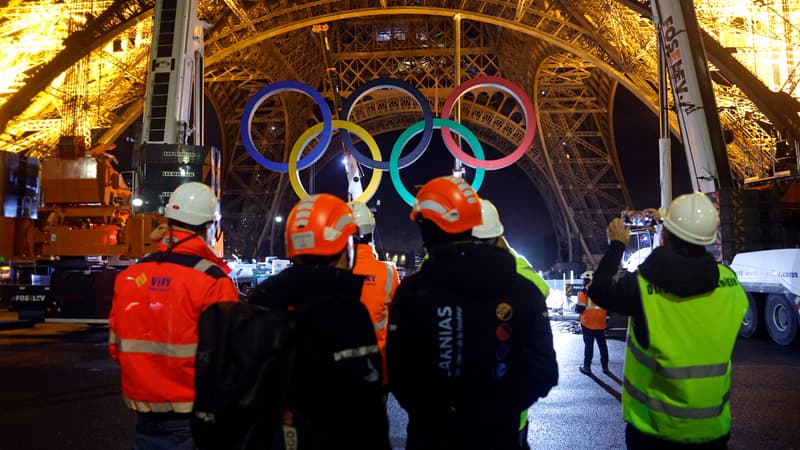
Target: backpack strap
{"points": [[191, 261]]}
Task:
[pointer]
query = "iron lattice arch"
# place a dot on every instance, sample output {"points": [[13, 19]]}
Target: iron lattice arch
{"points": [[579, 51]]}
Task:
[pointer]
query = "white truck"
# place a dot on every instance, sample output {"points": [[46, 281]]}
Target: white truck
{"points": [[772, 283]]}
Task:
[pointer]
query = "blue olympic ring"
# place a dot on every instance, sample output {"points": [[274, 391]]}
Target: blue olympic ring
{"points": [[282, 86], [413, 130], [380, 83]]}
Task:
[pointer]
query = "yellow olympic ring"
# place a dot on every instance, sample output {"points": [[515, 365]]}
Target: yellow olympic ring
{"points": [[311, 133]]}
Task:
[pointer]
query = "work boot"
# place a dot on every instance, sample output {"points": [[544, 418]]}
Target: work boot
{"points": [[586, 370]]}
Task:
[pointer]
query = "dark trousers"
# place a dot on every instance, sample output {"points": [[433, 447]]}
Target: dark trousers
{"points": [[589, 336], [163, 431]]}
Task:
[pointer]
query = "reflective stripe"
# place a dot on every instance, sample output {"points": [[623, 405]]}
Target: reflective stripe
{"points": [[592, 305], [677, 373], [112, 337], [203, 265], [355, 352], [432, 205], [676, 411], [157, 348], [140, 406]]}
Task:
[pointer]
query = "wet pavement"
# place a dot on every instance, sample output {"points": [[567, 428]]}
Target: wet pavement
{"points": [[59, 390]]}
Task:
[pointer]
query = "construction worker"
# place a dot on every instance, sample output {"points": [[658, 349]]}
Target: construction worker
{"points": [[380, 278], [593, 327], [334, 398], [469, 343], [685, 312], [491, 231], [153, 319]]}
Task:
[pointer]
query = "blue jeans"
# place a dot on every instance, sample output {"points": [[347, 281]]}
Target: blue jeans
{"points": [[163, 431]]}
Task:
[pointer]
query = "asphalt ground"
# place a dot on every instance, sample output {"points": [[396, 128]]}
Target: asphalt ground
{"points": [[60, 390]]}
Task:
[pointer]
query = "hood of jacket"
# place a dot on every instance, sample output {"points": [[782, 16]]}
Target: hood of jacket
{"points": [[681, 275], [189, 244], [471, 268], [305, 285]]}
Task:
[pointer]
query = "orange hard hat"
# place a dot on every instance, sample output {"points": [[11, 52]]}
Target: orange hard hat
{"points": [[450, 203], [319, 225]]}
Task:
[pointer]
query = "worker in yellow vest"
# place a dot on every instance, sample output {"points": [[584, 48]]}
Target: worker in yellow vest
{"points": [[593, 326], [685, 312]]}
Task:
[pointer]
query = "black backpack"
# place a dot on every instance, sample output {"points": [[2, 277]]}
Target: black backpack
{"points": [[245, 355]]}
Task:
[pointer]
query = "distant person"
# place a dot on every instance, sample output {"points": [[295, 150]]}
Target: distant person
{"points": [[593, 327], [334, 400], [469, 344], [685, 311], [380, 278], [153, 320]]}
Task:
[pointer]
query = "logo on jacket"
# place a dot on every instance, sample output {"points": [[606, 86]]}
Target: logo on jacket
{"points": [[450, 330], [503, 311], [503, 332], [160, 283], [140, 280]]}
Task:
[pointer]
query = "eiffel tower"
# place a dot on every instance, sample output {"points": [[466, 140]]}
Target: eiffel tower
{"points": [[570, 56]]}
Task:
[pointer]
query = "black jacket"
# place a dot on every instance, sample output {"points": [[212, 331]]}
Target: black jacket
{"points": [[680, 275], [336, 390], [469, 348]]}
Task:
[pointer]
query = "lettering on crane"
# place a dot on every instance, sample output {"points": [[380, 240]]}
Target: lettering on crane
{"points": [[674, 58]]}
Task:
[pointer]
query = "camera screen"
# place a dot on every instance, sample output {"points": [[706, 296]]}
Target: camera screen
{"points": [[637, 219]]}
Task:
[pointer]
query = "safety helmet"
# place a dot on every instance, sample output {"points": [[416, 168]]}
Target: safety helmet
{"points": [[319, 225], [450, 203], [192, 203], [491, 226], [692, 218], [588, 275], [363, 216]]}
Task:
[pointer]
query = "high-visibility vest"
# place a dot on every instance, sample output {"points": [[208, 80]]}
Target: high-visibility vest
{"points": [[677, 389], [525, 269], [593, 317], [379, 285]]}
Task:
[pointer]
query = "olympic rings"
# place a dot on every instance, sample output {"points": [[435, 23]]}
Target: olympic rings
{"points": [[380, 83], [311, 133], [275, 88], [527, 108], [325, 129], [413, 130]]}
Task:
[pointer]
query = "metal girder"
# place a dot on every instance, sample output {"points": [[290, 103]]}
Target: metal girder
{"points": [[575, 131]]}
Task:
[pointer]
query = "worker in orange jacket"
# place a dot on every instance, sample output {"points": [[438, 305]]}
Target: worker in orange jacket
{"points": [[153, 320], [381, 278], [593, 325]]}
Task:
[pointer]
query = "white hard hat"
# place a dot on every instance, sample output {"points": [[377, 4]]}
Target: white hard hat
{"points": [[589, 274], [491, 226], [192, 203], [364, 218], [692, 218]]}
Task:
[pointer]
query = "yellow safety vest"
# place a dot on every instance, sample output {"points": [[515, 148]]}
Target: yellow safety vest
{"points": [[677, 389]]}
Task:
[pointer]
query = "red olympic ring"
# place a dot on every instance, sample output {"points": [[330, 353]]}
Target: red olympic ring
{"points": [[527, 108]]}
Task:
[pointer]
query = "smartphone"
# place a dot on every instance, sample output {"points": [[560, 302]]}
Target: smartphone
{"points": [[635, 218]]}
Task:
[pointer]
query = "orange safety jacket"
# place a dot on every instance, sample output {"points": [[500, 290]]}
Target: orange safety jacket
{"points": [[379, 285], [593, 317], [153, 321]]}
